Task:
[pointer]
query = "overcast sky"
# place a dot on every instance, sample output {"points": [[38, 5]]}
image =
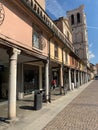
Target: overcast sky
{"points": [[58, 8]]}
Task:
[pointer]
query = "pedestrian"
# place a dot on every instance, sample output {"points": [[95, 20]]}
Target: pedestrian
{"points": [[53, 84]]}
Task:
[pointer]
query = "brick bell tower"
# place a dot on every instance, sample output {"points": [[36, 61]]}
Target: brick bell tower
{"points": [[77, 20]]}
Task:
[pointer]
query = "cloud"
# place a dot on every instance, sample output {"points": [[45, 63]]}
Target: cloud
{"points": [[54, 8], [90, 45], [91, 55], [92, 27]]}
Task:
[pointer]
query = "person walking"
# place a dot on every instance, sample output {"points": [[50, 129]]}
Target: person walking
{"points": [[53, 84]]}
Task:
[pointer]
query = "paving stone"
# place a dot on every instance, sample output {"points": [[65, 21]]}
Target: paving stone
{"points": [[28, 119], [80, 114]]}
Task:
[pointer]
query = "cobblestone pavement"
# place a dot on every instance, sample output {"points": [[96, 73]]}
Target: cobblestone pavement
{"points": [[80, 114]]}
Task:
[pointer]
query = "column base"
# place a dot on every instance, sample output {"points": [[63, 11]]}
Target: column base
{"points": [[20, 96], [12, 120]]}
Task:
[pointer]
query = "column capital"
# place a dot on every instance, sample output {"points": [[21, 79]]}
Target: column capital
{"points": [[61, 65], [69, 68], [15, 50], [40, 66], [13, 53], [46, 61]]}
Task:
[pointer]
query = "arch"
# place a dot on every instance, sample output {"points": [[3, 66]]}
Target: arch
{"points": [[72, 19], [35, 7], [78, 17]]}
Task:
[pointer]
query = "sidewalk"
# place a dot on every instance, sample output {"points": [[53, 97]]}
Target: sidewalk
{"points": [[37, 120]]}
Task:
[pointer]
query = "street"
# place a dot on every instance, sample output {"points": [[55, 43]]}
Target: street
{"points": [[80, 114], [77, 110]]}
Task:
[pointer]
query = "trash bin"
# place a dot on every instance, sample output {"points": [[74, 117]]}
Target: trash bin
{"points": [[42, 91], [37, 100]]}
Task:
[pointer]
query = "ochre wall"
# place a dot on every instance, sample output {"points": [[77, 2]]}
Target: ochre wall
{"points": [[17, 26], [52, 52]]}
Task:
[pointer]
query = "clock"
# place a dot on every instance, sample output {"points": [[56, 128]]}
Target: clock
{"points": [[2, 14]]}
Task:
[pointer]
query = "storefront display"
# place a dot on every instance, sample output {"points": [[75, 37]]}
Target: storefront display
{"points": [[31, 78]]}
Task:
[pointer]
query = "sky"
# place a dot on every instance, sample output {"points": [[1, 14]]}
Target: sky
{"points": [[58, 8]]}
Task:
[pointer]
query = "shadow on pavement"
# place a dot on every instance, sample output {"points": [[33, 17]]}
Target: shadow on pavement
{"points": [[27, 107], [28, 100], [3, 119]]}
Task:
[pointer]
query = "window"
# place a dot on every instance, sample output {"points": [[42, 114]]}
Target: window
{"points": [[39, 40], [76, 51], [72, 19], [56, 51], [76, 63], [72, 60], [66, 57], [78, 17], [36, 40]]}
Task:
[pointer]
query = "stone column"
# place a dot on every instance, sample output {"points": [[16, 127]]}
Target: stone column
{"points": [[81, 79], [78, 79], [20, 81], [75, 78], [12, 83], [69, 78], [47, 79], [61, 80], [40, 77], [86, 77]]}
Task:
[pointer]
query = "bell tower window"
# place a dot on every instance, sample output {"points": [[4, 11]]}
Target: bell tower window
{"points": [[78, 17], [72, 19]]}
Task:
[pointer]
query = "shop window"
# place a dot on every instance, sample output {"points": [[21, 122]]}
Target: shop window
{"points": [[78, 17], [72, 19], [31, 78], [56, 51]]}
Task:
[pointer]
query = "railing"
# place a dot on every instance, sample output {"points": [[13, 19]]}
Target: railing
{"points": [[36, 8]]}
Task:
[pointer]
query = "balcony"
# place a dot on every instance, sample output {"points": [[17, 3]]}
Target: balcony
{"points": [[36, 8]]}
